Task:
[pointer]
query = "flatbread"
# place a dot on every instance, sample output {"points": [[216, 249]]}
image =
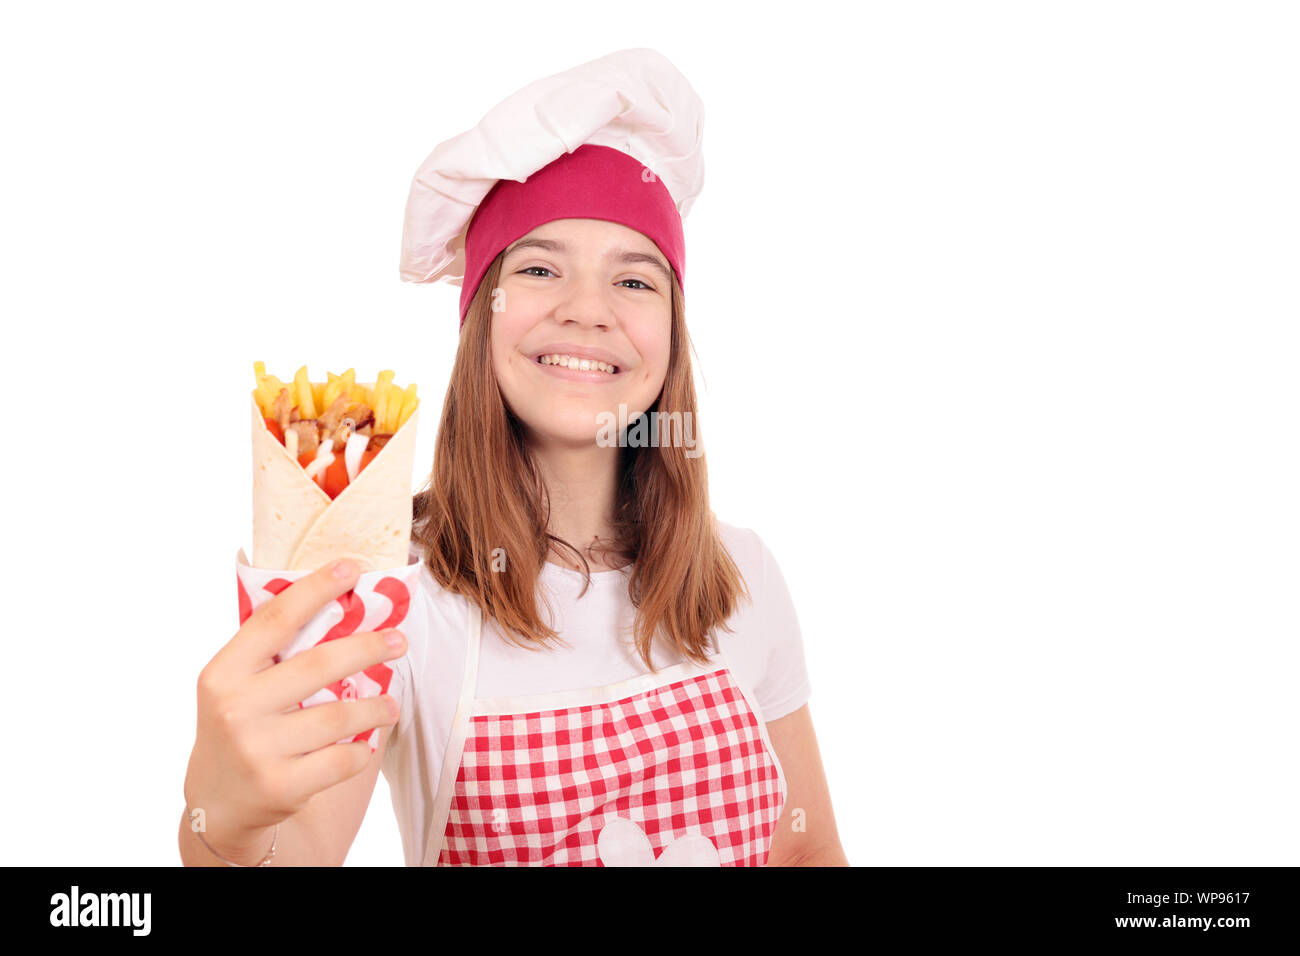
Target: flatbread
{"points": [[297, 527]]}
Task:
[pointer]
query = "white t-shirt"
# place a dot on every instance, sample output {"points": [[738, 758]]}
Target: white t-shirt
{"points": [[764, 650]]}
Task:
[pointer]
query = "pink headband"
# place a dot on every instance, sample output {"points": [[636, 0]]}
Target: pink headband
{"points": [[592, 182]]}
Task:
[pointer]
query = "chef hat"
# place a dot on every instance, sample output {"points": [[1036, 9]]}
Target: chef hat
{"points": [[618, 138]]}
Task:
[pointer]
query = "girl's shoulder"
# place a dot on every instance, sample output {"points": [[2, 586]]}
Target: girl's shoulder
{"points": [[765, 644], [439, 598], [443, 614], [747, 550]]}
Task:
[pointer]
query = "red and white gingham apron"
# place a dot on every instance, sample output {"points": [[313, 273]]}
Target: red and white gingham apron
{"points": [[673, 768]]}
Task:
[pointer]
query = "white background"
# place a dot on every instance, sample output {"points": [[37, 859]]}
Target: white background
{"points": [[996, 312]]}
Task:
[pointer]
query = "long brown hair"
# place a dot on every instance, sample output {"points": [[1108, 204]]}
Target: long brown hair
{"points": [[485, 498]]}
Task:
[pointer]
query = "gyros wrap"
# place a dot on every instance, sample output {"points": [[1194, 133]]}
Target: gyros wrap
{"points": [[332, 468], [332, 479]]}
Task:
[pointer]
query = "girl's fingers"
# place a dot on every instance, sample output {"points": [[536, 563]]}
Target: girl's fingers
{"points": [[321, 725], [302, 675], [272, 626], [323, 768]]}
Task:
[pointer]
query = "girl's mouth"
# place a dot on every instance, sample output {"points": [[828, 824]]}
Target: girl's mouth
{"points": [[577, 369]]}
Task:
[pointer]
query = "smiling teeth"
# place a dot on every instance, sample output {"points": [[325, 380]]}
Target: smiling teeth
{"points": [[585, 365]]}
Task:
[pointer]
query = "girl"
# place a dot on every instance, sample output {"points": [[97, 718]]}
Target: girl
{"points": [[599, 672]]}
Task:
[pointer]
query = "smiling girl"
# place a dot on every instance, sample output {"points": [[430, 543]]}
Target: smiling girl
{"points": [[597, 671]]}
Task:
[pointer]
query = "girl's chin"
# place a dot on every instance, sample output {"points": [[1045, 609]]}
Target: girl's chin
{"points": [[598, 430]]}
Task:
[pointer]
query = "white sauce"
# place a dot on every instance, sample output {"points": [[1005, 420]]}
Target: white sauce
{"points": [[352, 454], [324, 458]]}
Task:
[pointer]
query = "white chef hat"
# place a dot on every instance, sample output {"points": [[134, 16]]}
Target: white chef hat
{"points": [[618, 138]]}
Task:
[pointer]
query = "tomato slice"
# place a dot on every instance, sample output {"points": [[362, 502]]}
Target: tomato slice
{"points": [[335, 477]]}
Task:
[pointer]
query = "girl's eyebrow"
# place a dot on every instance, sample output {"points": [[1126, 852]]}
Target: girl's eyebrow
{"points": [[619, 255]]}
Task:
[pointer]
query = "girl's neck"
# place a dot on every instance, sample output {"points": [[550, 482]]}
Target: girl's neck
{"points": [[581, 483]]}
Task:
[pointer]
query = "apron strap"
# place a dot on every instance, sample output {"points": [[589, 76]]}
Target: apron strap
{"points": [[752, 701], [456, 743]]}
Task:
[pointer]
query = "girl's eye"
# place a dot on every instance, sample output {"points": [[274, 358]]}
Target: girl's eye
{"points": [[533, 270]]}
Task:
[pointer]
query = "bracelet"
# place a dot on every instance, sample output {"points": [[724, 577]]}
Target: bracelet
{"points": [[265, 861]]}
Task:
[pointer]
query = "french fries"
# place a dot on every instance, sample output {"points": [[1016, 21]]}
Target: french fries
{"points": [[383, 396], [392, 405], [409, 401], [302, 392]]}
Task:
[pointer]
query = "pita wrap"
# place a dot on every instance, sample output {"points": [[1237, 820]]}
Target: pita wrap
{"points": [[297, 527]]}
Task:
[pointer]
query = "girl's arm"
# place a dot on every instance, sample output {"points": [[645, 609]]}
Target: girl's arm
{"points": [[318, 835], [805, 834], [258, 758]]}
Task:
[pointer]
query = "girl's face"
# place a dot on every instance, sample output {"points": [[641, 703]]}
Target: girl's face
{"points": [[585, 289]]}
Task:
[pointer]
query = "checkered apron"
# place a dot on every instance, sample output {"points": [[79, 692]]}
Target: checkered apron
{"points": [[673, 768]]}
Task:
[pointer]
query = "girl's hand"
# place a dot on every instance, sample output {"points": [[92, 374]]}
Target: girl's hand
{"points": [[258, 758]]}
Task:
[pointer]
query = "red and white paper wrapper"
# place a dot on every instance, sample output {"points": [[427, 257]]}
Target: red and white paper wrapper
{"points": [[379, 600]]}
